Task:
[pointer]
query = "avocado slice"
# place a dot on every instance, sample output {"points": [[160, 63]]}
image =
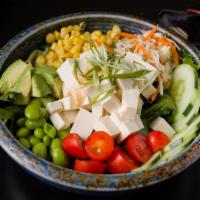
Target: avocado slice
{"points": [[55, 84], [11, 75], [45, 100], [39, 86]]}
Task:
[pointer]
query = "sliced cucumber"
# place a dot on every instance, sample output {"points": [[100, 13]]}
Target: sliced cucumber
{"points": [[150, 163], [182, 124], [184, 89], [187, 134]]}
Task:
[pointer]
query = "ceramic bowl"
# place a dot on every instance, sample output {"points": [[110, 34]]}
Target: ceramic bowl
{"points": [[20, 46]]}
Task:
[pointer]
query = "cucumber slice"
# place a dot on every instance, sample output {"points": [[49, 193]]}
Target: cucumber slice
{"points": [[179, 138], [182, 124], [184, 89], [150, 163]]}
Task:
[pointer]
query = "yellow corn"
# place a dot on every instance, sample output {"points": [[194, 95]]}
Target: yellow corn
{"points": [[50, 38], [51, 55], [40, 59], [63, 32]]}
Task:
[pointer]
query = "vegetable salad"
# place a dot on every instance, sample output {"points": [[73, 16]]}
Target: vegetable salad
{"points": [[100, 102]]}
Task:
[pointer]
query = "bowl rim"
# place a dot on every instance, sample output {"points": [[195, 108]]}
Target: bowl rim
{"points": [[13, 142]]}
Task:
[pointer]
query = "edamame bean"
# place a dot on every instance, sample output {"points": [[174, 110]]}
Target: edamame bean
{"points": [[49, 130], [40, 150], [32, 112], [59, 157], [44, 113], [23, 132], [39, 133], [21, 122], [33, 124], [55, 144], [47, 140], [62, 134], [25, 143], [33, 140]]}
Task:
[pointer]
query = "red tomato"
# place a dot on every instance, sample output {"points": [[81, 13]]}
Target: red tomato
{"points": [[74, 146], [89, 166], [157, 140], [120, 162], [137, 148], [99, 146]]}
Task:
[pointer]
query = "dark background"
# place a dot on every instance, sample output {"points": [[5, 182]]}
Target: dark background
{"points": [[16, 15]]}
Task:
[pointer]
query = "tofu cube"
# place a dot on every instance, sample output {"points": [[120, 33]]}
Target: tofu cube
{"points": [[55, 106], [106, 124], [130, 99], [86, 104], [111, 103], [148, 91], [59, 122], [160, 124], [70, 115], [97, 110], [65, 90], [126, 128], [125, 84], [84, 123], [67, 103], [139, 121], [140, 104]]}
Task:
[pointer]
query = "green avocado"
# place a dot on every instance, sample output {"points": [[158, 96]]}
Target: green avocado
{"points": [[12, 75], [39, 86], [46, 100], [56, 86]]}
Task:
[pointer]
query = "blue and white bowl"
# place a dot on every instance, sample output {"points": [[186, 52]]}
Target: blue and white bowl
{"points": [[20, 46]]}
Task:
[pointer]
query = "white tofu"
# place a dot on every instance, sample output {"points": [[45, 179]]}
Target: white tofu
{"points": [[84, 65], [160, 124], [65, 72], [67, 103], [59, 122], [84, 123], [70, 115], [140, 104], [107, 125], [130, 99], [55, 106], [126, 128], [111, 103], [148, 91], [65, 90], [97, 110], [125, 84], [86, 104]]}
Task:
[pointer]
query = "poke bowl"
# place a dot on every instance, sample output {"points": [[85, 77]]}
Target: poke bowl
{"points": [[100, 102]]}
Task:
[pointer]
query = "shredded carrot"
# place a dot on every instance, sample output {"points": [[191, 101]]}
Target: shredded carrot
{"points": [[135, 41], [97, 42], [155, 94], [164, 41], [151, 33], [147, 54], [127, 35]]}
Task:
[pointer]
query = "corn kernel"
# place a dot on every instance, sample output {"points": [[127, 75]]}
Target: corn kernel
{"points": [[69, 28], [108, 33], [63, 32], [57, 35], [75, 49], [97, 33], [87, 35], [67, 45], [95, 37], [76, 28], [60, 43], [75, 33], [60, 52], [76, 55], [50, 38], [40, 59], [57, 63], [53, 46], [116, 29], [66, 36], [68, 55], [86, 46], [78, 41], [109, 41], [51, 55]]}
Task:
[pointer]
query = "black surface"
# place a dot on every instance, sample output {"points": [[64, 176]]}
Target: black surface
{"points": [[15, 15]]}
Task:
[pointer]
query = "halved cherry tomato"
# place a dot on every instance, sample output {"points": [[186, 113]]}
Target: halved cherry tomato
{"points": [[89, 166], [74, 146], [120, 162], [137, 148], [99, 146], [157, 140]]}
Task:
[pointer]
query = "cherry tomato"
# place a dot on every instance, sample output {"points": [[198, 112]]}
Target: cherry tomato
{"points": [[74, 146], [137, 148], [120, 162], [99, 146], [89, 166], [157, 140]]}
